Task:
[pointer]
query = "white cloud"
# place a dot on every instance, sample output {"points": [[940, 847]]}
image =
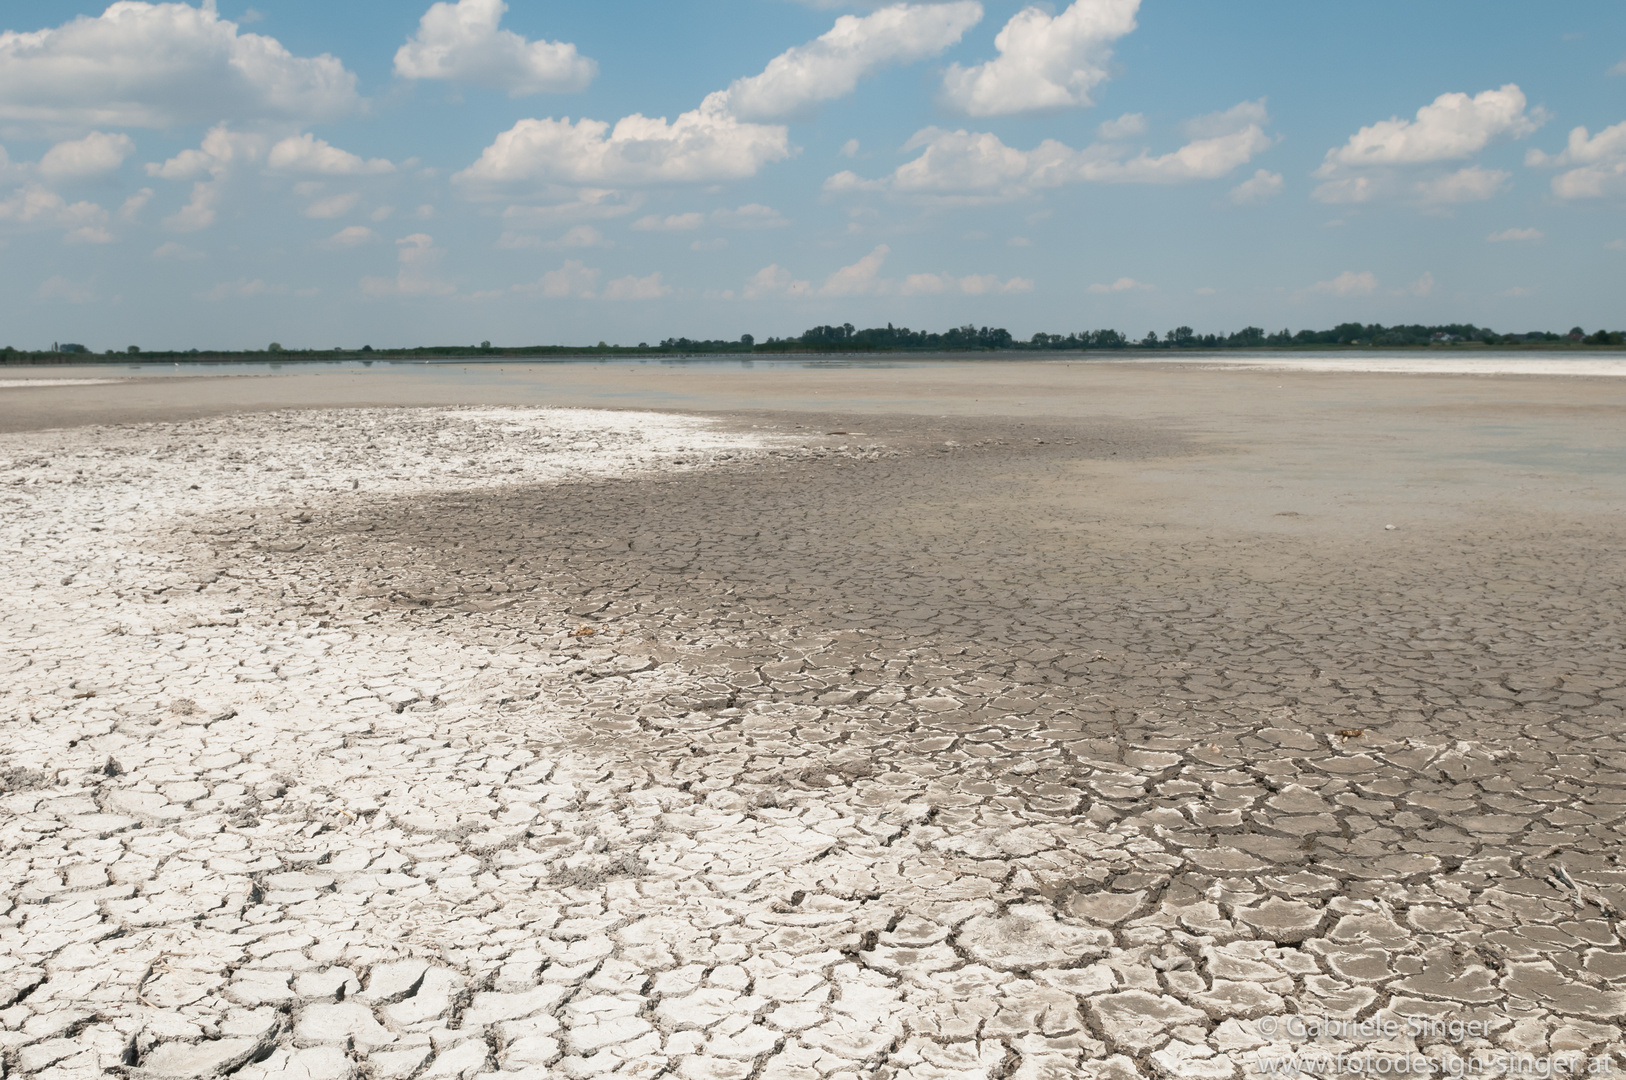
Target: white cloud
{"points": [[749, 216], [39, 206], [60, 288], [1123, 284], [333, 206], [706, 144], [1263, 185], [309, 155], [858, 279], [1472, 184], [1601, 159], [583, 204], [775, 281], [1517, 292], [670, 223], [971, 285], [637, 288], [1618, 69], [1374, 162], [716, 243], [573, 280], [417, 255], [462, 42], [1019, 242], [1044, 62], [163, 65], [1455, 126], [1616, 245], [349, 237], [1348, 283], [170, 249], [1423, 286], [1353, 189], [1127, 126], [135, 204], [221, 153], [92, 155], [241, 289], [88, 234], [849, 149], [580, 236], [978, 164], [1509, 235], [831, 66], [713, 142]]}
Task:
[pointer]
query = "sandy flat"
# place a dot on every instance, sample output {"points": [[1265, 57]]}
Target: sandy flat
{"points": [[939, 721]]}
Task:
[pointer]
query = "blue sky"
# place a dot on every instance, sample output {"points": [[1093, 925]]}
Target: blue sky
{"points": [[400, 173]]}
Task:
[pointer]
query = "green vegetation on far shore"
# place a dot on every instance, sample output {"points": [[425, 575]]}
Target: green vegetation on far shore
{"points": [[891, 339]]}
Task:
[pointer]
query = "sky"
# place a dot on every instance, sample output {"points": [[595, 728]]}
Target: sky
{"points": [[396, 173]]}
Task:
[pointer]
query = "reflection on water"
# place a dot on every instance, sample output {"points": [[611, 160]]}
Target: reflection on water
{"points": [[1489, 362]]}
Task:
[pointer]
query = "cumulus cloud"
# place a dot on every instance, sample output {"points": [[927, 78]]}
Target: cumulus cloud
{"points": [[637, 288], [1455, 126], [417, 256], [60, 288], [1601, 161], [37, 206], [1512, 235], [721, 139], [1127, 126], [670, 223], [1263, 185], [958, 164], [92, 155], [749, 216], [241, 289], [707, 144], [1045, 61], [861, 277], [135, 204], [580, 236], [1123, 284], [463, 42], [306, 154], [1472, 184], [582, 204], [1348, 283], [1375, 160], [334, 206], [573, 280], [170, 249], [222, 151], [970, 285], [775, 281], [349, 237], [163, 65], [831, 66]]}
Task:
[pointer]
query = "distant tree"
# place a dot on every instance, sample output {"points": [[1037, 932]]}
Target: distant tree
{"points": [[485, 344], [274, 347], [366, 348], [747, 340], [1181, 337], [133, 349]]}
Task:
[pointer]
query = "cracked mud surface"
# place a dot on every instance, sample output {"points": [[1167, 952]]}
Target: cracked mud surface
{"points": [[665, 748]]}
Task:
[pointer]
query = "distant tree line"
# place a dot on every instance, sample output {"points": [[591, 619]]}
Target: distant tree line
{"points": [[847, 338]]}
